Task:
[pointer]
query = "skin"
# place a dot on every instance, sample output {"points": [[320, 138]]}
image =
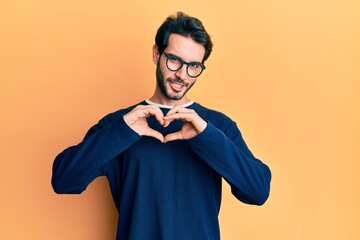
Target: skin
{"points": [[189, 51], [171, 89]]}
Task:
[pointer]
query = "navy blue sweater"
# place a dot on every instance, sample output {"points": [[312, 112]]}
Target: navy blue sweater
{"points": [[165, 191]]}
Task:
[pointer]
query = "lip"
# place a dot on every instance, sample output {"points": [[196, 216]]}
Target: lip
{"points": [[176, 86]]}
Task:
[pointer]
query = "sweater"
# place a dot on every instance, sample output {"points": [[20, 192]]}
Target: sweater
{"points": [[165, 191]]}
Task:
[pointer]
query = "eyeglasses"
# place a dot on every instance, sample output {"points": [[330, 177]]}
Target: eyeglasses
{"points": [[174, 63]]}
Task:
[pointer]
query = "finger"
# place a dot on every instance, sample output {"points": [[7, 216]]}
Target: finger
{"points": [[153, 111], [177, 116], [155, 134], [173, 136], [143, 111], [195, 120], [179, 109], [172, 111], [187, 117], [160, 115], [167, 121]]}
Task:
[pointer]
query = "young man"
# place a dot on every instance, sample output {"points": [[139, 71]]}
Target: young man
{"points": [[165, 157]]}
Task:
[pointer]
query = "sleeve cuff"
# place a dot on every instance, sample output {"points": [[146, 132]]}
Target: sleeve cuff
{"points": [[208, 132], [123, 132]]}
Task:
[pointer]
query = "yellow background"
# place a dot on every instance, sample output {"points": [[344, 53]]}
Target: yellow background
{"points": [[287, 72]]}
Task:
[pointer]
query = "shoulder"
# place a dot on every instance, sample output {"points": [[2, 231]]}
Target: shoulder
{"points": [[217, 118]]}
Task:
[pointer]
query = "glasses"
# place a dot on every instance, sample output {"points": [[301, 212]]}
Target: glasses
{"points": [[174, 63]]}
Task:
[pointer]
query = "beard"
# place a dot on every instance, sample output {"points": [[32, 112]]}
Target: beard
{"points": [[166, 90]]}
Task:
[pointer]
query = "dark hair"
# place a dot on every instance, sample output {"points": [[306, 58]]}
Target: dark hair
{"points": [[186, 26]]}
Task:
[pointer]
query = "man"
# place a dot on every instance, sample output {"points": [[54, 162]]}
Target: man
{"points": [[165, 157]]}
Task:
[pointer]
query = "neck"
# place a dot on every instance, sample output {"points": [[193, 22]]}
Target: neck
{"points": [[169, 102]]}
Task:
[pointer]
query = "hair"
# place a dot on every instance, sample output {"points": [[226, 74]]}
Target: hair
{"points": [[186, 26]]}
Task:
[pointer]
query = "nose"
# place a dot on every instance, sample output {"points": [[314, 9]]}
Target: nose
{"points": [[181, 73]]}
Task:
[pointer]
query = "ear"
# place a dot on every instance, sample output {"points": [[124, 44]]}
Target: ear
{"points": [[155, 54]]}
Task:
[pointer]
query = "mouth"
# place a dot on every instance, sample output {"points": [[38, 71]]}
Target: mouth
{"points": [[176, 85]]}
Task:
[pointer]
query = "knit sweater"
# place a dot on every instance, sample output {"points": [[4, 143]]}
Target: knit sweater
{"points": [[165, 191]]}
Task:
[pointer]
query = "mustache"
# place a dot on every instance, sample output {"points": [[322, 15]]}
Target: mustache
{"points": [[176, 80]]}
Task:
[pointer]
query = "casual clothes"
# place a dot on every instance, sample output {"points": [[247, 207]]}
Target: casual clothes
{"points": [[169, 191]]}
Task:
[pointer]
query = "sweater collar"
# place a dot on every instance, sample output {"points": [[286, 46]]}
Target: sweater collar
{"points": [[168, 106]]}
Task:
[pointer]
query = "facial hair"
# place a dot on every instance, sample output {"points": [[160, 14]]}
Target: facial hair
{"points": [[161, 82]]}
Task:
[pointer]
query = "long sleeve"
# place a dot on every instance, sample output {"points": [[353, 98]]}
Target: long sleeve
{"points": [[77, 166], [226, 152]]}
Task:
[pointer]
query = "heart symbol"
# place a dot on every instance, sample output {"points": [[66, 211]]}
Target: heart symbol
{"points": [[193, 124]]}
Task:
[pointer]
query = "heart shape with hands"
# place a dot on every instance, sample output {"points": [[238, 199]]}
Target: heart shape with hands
{"points": [[193, 123]]}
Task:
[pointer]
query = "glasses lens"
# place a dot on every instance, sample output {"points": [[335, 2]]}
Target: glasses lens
{"points": [[194, 69], [173, 63]]}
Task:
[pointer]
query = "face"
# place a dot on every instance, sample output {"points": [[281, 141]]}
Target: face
{"points": [[173, 86]]}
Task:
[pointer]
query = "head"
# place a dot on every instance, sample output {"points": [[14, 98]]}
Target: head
{"points": [[185, 26], [185, 38]]}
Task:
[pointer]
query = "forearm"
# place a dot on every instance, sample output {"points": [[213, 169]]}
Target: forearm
{"points": [[249, 177], [77, 166]]}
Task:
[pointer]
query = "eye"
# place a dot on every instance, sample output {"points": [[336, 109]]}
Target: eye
{"points": [[174, 59], [195, 65]]}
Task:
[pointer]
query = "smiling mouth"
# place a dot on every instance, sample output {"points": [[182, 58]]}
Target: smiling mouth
{"points": [[176, 85]]}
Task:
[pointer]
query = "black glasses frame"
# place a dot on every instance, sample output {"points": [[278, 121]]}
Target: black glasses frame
{"points": [[168, 56]]}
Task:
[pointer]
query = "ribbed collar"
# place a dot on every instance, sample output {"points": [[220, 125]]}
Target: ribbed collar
{"points": [[168, 106]]}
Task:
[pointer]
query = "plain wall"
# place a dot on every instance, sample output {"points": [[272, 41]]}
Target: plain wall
{"points": [[287, 72]]}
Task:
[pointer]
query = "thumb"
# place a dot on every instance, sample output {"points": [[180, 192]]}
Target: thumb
{"points": [[173, 136], [155, 134]]}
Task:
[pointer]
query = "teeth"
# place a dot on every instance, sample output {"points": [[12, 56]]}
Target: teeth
{"points": [[177, 86]]}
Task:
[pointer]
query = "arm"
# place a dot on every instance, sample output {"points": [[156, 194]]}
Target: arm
{"points": [[77, 166], [226, 152]]}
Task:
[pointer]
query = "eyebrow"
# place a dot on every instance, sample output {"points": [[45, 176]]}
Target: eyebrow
{"points": [[173, 55]]}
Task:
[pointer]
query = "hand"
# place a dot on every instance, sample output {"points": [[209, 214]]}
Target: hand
{"points": [[136, 120], [193, 123]]}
